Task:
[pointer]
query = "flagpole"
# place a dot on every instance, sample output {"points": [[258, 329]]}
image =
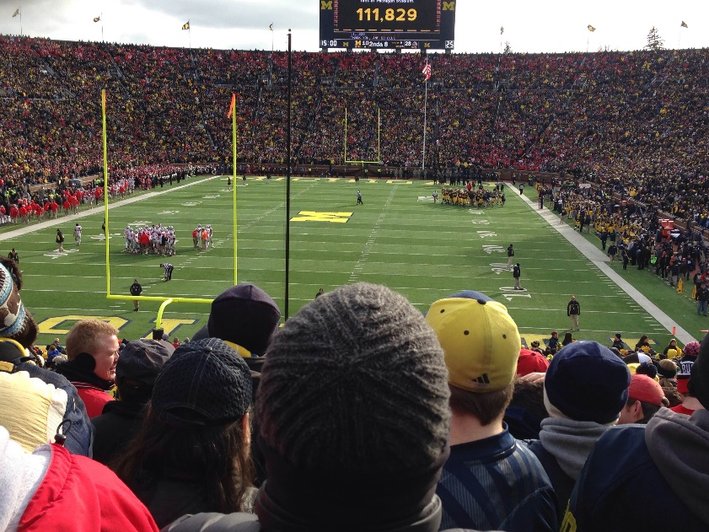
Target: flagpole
{"points": [[270, 59], [425, 115], [288, 175], [102, 39]]}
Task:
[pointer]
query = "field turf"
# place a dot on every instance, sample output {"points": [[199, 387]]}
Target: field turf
{"points": [[399, 237]]}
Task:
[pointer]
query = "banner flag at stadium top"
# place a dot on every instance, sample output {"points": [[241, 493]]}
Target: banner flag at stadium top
{"points": [[17, 12], [232, 106], [97, 19], [591, 28], [684, 24], [426, 71], [186, 25]]}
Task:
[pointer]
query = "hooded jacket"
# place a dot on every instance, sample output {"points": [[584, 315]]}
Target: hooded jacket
{"points": [[664, 461], [52, 489]]}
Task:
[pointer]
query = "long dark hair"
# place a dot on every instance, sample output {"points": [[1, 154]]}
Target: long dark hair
{"points": [[217, 457]]}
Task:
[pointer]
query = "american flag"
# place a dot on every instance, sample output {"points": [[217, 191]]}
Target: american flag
{"points": [[426, 71]]}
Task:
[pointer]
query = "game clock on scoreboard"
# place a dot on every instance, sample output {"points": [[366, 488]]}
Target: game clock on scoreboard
{"points": [[418, 24]]}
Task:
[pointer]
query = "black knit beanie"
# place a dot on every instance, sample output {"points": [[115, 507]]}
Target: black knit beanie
{"points": [[203, 383], [355, 382]]}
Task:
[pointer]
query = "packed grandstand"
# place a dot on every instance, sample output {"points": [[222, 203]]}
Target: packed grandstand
{"points": [[633, 120]]}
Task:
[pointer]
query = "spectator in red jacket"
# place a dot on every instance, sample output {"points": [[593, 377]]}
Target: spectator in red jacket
{"points": [[92, 348], [51, 489]]}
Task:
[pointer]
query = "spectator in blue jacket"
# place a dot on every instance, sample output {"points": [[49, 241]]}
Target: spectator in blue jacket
{"points": [[665, 460]]}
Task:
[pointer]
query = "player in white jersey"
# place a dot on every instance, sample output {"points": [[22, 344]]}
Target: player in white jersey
{"points": [[77, 235]]}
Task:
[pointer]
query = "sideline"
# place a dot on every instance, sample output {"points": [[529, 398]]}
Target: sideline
{"points": [[600, 260], [31, 228]]}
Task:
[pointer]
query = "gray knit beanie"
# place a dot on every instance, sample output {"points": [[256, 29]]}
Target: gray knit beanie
{"points": [[355, 382]]}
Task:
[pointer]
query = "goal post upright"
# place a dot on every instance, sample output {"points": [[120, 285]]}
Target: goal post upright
{"points": [[106, 232], [163, 300], [232, 113]]}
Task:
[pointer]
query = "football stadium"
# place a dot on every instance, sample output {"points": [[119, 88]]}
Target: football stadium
{"points": [[389, 279]]}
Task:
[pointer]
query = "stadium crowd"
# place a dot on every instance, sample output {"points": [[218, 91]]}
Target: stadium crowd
{"points": [[629, 120], [393, 421], [636, 234]]}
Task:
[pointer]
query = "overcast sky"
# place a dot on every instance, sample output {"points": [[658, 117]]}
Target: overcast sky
{"points": [[529, 26]]}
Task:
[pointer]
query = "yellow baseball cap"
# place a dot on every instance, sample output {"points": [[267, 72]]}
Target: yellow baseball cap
{"points": [[480, 341]]}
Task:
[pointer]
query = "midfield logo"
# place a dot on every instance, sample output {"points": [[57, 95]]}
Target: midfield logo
{"points": [[315, 216]]}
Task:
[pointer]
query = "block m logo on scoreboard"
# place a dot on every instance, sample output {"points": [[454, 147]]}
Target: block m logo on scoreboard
{"points": [[325, 5], [448, 6]]}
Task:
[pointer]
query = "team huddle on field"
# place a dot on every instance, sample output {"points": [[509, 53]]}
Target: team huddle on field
{"points": [[155, 239], [471, 196]]}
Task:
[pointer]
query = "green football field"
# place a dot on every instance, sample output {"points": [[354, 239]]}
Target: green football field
{"points": [[399, 238]]}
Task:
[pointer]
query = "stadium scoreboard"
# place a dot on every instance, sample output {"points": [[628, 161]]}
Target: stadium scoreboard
{"points": [[387, 24]]}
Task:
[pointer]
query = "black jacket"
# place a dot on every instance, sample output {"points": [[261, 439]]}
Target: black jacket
{"points": [[115, 428]]}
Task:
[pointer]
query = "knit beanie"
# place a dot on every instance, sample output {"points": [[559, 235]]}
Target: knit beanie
{"points": [[203, 383], [587, 382], [15, 321], [691, 349], [355, 383], [647, 368]]}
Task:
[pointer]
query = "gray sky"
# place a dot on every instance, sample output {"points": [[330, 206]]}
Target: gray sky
{"points": [[541, 26]]}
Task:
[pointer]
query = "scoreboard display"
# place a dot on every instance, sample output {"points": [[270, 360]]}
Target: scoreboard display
{"points": [[387, 24]]}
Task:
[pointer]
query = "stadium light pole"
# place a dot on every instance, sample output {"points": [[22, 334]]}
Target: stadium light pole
{"points": [[288, 175]]}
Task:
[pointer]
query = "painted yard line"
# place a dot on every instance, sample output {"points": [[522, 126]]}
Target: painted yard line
{"points": [[600, 260], [366, 249]]}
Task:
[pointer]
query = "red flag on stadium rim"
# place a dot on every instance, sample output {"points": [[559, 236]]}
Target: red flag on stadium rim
{"points": [[426, 71], [232, 106]]}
